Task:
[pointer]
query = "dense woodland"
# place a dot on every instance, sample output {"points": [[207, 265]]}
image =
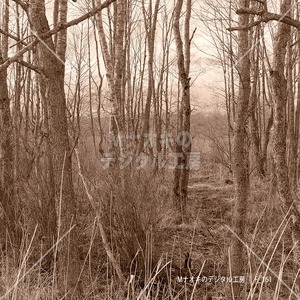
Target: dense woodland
{"points": [[116, 182]]}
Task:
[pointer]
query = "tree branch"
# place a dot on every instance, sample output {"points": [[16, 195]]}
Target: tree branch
{"points": [[53, 31], [245, 27], [24, 5], [250, 11], [194, 31], [30, 66], [265, 17], [12, 36]]}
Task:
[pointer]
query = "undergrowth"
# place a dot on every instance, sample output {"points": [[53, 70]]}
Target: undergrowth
{"points": [[158, 257]]}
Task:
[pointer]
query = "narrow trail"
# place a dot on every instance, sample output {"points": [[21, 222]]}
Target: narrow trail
{"points": [[204, 235]]}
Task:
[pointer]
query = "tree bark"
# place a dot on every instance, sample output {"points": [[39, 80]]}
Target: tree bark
{"points": [[52, 64], [114, 65], [7, 188], [150, 27], [183, 148], [279, 95], [240, 151]]}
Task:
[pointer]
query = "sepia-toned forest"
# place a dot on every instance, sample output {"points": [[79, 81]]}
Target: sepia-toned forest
{"points": [[149, 149]]}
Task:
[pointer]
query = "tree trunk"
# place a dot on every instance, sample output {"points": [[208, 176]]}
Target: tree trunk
{"points": [[114, 65], [254, 104], [7, 188], [295, 143], [183, 147], [279, 90], [240, 152], [52, 64], [150, 27]]}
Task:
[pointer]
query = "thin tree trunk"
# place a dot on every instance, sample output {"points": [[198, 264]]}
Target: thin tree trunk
{"points": [[7, 188], [240, 151], [150, 27], [294, 172], [183, 147], [254, 103], [114, 66]]}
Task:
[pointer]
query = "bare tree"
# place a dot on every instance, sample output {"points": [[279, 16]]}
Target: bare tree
{"points": [[240, 149], [183, 148], [51, 60], [114, 63], [7, 188], [279, 90], [150, 27]]}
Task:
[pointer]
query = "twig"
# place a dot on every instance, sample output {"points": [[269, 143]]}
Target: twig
{"points": [[12, 36]]}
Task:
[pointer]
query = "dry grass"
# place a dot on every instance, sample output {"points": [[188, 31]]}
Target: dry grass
{"points": [[136, 210]]}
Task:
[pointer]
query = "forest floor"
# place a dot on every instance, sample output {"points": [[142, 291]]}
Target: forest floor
{"points": [[204, 238], [207, 234]]}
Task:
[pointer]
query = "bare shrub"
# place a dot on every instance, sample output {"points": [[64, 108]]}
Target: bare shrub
{"points": [[134, 206]]}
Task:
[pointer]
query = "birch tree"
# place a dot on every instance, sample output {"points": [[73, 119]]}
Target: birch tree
{"points": [[115, 64]]}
